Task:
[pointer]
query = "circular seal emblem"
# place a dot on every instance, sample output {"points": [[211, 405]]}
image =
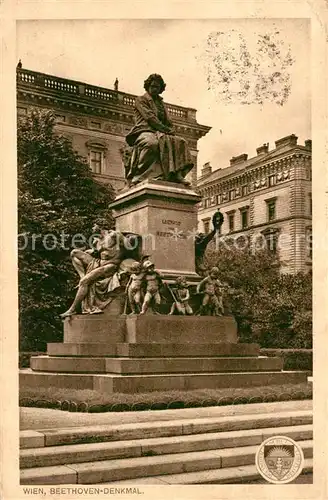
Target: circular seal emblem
{"points": [[279, 459]]}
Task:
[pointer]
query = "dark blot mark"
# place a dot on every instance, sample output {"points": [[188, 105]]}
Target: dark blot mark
{"points": [[250, 72]]}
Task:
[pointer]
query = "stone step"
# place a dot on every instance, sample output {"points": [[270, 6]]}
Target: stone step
{"points": [[154, 365], [165, 428], [129, 468], [91, 452], [112, 383], [192, 365], [29, 380], [76, 349], [187, 349], [228, 475], [61, 474], [152, 350]]}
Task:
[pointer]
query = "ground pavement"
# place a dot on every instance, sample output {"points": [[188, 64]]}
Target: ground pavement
{"points": [[42, 418]]}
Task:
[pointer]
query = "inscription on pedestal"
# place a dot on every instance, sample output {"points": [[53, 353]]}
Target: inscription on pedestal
{"points": [[167, 216]]}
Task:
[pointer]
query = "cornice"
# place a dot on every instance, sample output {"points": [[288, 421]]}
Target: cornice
{"points": [[263, 167], [106, 112], [258, 173]]}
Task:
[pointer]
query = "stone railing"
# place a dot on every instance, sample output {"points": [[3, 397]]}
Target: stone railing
{"points": [[70, 87]]}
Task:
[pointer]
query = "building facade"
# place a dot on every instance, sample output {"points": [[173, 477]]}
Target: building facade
{"points": [[266, 201], [97, 119]]}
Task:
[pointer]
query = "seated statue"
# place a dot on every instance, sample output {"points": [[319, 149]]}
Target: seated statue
{"points": [[157, 153], [100, 269]]}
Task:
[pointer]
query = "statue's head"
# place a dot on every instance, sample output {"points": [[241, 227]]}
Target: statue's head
{"points": [[111, 238], [181, 281], [214, 273], [217, 219], [154, 84], [148, 265], [136, 267]]}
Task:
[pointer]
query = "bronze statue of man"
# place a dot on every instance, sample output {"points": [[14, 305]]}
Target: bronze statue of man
{"points": [[157, 152]]}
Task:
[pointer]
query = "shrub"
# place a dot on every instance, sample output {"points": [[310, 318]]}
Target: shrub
{"points": [[271, 309], [24, 358], [293, 359]]}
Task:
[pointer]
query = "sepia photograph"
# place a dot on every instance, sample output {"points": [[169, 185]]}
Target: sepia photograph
{"points": [[164, 254]]}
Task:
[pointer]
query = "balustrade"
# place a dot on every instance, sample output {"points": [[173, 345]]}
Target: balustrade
{"points": [[35, 79], [64, 86], [25, 77], [177, 112], [128, 100], [99, 93]]}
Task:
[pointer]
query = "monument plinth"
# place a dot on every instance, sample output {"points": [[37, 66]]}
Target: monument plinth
{"points": [[164, 214], [136, 354]]}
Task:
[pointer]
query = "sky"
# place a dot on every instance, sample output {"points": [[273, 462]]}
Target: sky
{"points": [[249, 79]]}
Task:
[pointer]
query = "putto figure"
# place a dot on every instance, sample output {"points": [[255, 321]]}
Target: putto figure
{"points": [[153, 282], [212, 288], [181, 296], [134, 287], [157, 152]]}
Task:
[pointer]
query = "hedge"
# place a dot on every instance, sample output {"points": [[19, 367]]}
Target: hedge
{"points": [[293, 359], [24, 358], [60, 399]]}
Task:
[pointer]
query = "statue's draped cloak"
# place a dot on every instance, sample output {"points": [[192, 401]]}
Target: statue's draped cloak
{"points": [[155, 153]]}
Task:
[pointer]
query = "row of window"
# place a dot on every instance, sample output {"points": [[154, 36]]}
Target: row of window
{"points": [[234, 193], [244, 190], [244, 217], [271, 238], [223, 197]]}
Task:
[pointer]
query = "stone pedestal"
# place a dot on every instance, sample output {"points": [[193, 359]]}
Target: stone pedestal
{"points": [[149, 329], [137, 354], [164, 214]]}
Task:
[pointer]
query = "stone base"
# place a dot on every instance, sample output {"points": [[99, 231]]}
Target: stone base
{"points": [[131, 366], [149, 328], [136, 354], [164, 214], [108, 383], [153, 350]]}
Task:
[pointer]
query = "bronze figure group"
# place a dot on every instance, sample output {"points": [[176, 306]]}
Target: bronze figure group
{"points": [[107, 270], [110, 266]]}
